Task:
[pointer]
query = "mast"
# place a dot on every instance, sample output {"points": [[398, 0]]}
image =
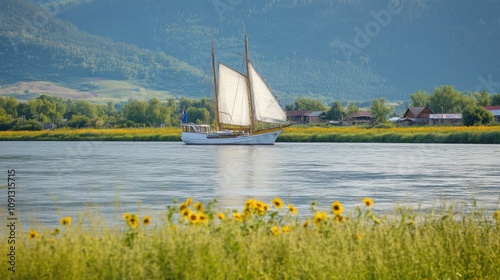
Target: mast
{"points": [[216, 87], [249, 83]]}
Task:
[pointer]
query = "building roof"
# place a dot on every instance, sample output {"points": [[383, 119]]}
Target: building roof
{"points": [[359, 114], [415, 111], [304, 113], [495, 110], [445, 116]]}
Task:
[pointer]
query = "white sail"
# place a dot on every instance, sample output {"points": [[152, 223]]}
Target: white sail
{"points": [[233, 97], [266, 108]]}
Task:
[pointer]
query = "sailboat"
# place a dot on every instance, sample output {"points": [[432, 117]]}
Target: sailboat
{"points": [[247, 113]]}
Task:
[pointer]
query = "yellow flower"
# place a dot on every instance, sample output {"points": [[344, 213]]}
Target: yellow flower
{"points": [[198, 206], [185, 213], [319, 217], [293, 209], [275, 230], [337, 208], [357, 236], [146, 220], [66, 221], [277, 202], [237, 217], [203, 217], [410, 223], [305, 224], [250, 204], [286, 229], [368, 201], [496, 215], [33, 234], [339, 218], [194, 218], [126, 216], [56, 231], [133, 222], [221, 216], [188, 202], [182, 207]]}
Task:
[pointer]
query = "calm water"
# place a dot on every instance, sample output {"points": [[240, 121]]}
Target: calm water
{"points": [[56, 179]]}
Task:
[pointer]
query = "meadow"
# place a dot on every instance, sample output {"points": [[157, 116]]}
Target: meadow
{"points": [[425, 134], [263, 240]]}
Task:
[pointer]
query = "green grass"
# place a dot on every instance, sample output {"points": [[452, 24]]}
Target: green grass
{"points": [[266, 243]]}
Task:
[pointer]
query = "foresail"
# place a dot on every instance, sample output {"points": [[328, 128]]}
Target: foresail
{"points": [[266, 108], [233, 97]]}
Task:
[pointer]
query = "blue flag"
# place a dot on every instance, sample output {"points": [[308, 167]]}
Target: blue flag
{"points": [[184, 116]]}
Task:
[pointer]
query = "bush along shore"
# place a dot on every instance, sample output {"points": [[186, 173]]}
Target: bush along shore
{"points": [[264, 240], [430, 134]]}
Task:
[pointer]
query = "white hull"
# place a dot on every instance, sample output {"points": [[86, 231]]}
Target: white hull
{"points": [[194, 138]]}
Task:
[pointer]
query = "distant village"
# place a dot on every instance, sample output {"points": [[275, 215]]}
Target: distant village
{"points": [[414, 116]]}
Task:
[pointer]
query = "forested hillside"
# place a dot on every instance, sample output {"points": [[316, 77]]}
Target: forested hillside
{"points": [[330, 49]]}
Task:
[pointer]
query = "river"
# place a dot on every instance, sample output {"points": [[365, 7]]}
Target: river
{"points": [[56, 179]]}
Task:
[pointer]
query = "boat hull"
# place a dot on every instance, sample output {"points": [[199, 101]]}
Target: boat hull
{"points": [[267, 138]]}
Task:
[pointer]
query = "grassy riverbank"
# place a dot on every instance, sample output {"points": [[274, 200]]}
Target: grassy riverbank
{"points": [[429, 134], [263, 240]]}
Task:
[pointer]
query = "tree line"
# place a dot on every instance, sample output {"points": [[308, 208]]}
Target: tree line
{"points": [[57, 112], [52, 111]]}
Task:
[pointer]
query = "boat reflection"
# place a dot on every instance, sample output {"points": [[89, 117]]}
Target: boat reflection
{"points": [[244, 172]]}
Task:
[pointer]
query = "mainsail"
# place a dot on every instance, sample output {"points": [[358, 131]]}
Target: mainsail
{"points": [[266, 108], [233, 97]]}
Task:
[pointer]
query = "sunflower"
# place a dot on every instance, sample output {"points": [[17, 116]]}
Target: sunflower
{"points": [[250, 204], [339, 218], [194, 218], [293, 209], [368, 201], [188, 202], [286, 229], [126, 216], [277, 202], [319, 217], [56, 231], [203, 217], [66, 221], [337, 208], [182, 207], [186, 212], [357, 236], [221, 216], [275, 230], [237, 217], [33, 234], [305, 224], [133, 222], [198, 206], [146, 220], [496, 215]]}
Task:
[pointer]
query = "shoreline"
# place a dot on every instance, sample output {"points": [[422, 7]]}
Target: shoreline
{"points": [[311, 134]]}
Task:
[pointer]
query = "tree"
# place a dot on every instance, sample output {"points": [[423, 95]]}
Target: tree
{"points": [[310, 104], [135, 111], [483, 98], [336, 112], [445, 99], [419, 98], [352, 108], [379, 110], [495, 100], [198, 115], [474, 115], [79, 121]]}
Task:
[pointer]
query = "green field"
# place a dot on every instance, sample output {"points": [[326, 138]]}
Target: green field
{"points": [[263, 240], [428, 134]]}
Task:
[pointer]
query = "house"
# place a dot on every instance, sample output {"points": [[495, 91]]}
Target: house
{"points": [[449, 119], [416, 116], [362, 117], [305, 116], [495, 110]]}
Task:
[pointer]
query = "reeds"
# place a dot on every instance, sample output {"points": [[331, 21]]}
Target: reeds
{"points": [[265, 240]]}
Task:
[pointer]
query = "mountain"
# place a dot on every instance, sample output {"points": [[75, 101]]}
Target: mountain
{"points": [[330, 49]]}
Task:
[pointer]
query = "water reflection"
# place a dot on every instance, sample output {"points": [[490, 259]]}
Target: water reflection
{"points": [[243, 172]]}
